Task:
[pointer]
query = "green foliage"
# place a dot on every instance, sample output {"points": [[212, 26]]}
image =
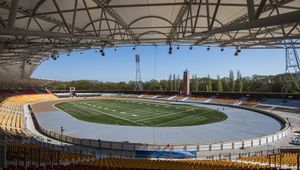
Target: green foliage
{"points": [[208, 86], [231, 81], [239, 82], [219, 84], [174, 83], [194, 83], [171, 83]]}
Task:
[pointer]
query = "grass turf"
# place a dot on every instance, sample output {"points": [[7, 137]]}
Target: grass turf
{"points": [[140, 113]]}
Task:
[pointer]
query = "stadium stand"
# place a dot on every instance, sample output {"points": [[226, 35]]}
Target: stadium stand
{"points": [[289, 159], [112, 163], [250, 102], [149, 96], [163, 97], [284, 109], [224, 100], [180, 97], [139, 164], [11, 108], [280, 102], [198, 98], [35, 157], [39, 154]]}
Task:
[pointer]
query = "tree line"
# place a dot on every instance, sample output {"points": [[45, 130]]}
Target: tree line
{"points": [[235, 82]]}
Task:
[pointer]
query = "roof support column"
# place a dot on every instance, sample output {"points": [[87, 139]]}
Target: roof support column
{"points": [[12, 13], [251, 9]]}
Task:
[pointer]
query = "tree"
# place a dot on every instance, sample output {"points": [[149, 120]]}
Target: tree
{"points": [[219, 84], [231, 81], [131, 85], [174, 82], [178, 82], [256, 83], [208, 84], [163, 84], [170, 83], [239, 82], [151, 85], [225, 84], [202, 84], [194, 83]]}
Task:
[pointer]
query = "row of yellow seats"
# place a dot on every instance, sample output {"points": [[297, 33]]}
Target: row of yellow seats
{"points": [[11, 110], [170, 164], [225, 100], [289, 159], [30, 98], [11, 120], [199, 98], [35, 152]]}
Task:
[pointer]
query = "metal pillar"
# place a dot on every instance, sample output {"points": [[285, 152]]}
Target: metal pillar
{"points": [[138, 79], [292, 69], [13, 13]]}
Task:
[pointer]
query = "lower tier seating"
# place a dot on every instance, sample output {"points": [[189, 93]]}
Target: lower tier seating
{"points": [[159, 165], [289, 159], [11, 110], [33, 153]]}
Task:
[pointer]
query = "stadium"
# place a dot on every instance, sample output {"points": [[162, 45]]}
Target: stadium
{"points": [[184, 122]]}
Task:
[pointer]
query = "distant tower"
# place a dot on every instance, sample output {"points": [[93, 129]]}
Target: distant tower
{"points": [[186, 83], [292, 68], [138, 79]]}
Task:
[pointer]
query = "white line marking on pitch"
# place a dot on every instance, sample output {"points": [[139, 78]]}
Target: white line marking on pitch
{"points": [[115, 116]]}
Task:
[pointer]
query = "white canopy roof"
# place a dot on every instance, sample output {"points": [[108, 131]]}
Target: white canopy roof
{"points": [[33, 30]]}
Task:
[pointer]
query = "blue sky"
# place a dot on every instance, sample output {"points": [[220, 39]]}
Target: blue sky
{"points": [[119, 65]]}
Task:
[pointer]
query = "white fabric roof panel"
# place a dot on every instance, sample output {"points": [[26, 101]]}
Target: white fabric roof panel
{"points": [[47, 27]]}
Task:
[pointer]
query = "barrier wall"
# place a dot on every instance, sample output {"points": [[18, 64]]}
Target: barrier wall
{"points": [[223, 145]]}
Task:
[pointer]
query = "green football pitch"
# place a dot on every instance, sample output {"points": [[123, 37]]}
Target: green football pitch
{"points": [[140, 113]]}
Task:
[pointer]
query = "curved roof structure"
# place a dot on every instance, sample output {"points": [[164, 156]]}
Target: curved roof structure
{"points": [[34, 30]]}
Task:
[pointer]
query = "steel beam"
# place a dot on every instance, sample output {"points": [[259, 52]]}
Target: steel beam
{"points": [[74, 15], [251, 9], [61, 16], [90, 17], [160, 5], [262, 39], [29, 13], [260, 8], [267, 7], [197, 16], [6, 31], [12, 13], [118, 19], [214, 15], [178, 19], [258, 33], [287, 18], [2, 22]]}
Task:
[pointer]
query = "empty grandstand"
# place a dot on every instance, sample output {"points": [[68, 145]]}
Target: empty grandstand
{"points": [[192, 122]]}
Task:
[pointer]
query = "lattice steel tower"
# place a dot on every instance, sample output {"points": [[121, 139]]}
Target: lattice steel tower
{"points": [[138, 79], [292, 68]]}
